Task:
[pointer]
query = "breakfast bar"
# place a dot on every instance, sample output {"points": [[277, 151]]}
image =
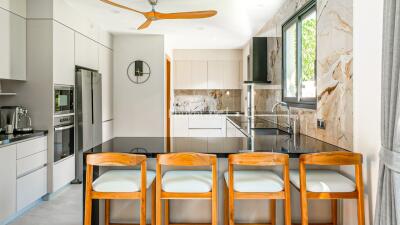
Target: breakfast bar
{"points": [[222, 147]]}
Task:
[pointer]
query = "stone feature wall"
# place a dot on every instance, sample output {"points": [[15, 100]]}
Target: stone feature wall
{"points": [[334, 70], [207, 100]]}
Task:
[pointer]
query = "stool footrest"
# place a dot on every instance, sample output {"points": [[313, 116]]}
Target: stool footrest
{"points": [[314, 223], [127, 224]]}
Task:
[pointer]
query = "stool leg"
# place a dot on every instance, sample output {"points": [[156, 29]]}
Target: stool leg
{"points": [[153, 204], [360, 195], [143, 209], [88, 209], [304, 207], [214, 209], [158, 207], [334, 211], [107, 212], [226, 206], [231, 208], [272, 210], [166, 212]]}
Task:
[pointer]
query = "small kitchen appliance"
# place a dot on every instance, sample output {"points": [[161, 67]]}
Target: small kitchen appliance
{"points": [[16, 116]]}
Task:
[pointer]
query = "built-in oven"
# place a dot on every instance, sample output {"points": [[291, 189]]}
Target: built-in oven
{"points": [[64, 137], [63, 99]]}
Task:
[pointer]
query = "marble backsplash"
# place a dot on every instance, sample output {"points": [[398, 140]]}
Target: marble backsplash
{"points": [[334, 71], [265, 99], [207, 100]]}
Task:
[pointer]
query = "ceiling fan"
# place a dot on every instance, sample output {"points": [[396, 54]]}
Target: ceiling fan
{"points": [[153, 15]]}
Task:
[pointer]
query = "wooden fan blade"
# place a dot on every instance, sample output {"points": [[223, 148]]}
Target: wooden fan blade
{"points": [[121, 6], [187, 15], [145, 25]]}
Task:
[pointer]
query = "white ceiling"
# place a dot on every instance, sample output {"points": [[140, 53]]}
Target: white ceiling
{"points": [[236, 22]]}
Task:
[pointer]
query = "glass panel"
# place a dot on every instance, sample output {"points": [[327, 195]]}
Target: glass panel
{"points": [[63, 143], [308, 53], [290, 61]]}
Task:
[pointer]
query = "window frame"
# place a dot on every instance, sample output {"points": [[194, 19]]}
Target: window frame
{"points": [[297, 19]]}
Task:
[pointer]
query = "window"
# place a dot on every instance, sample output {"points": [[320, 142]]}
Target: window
{"points": [[299, 58]]}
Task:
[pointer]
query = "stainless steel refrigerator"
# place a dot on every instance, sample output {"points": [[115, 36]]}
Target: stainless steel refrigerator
{"points": [[88, 121]]}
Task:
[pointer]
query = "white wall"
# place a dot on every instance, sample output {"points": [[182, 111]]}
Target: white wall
{"points": [[138, 108], [368, 19]]}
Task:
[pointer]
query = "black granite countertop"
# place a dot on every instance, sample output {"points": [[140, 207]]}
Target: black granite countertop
{"points": [[294, 145], [247, 124], [6, 139], [218, 112]]}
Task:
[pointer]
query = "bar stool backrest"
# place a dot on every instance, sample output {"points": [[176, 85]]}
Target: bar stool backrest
{"points": [[339, 158], [187, 159], [259, 159], [114, 159]]}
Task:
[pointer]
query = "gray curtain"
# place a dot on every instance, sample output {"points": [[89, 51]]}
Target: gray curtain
{"points": [[388, 196]]}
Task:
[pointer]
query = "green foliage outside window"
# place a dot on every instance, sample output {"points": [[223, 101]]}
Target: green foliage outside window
{"points": [[309, 45]]}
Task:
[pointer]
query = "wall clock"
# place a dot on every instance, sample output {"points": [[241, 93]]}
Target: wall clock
{"points": [[138, 71]]}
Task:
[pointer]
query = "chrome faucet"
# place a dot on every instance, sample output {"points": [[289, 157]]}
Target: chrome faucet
{"points": [[288, 114]]}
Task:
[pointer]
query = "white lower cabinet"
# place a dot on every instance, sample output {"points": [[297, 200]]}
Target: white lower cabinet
{"points": [[180, 126], [31, 187], [63, 172], [31, 163], [198, 126], [8, 174], [23, 173]]}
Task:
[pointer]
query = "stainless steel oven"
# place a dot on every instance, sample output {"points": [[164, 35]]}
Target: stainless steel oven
{"points": [[63, 99], [64, 137]]}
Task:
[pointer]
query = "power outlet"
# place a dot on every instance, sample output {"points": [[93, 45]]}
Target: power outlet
{"points": [[321, 124]]}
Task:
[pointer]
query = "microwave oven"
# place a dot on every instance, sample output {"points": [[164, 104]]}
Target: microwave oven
{"points": [[63, 99]]}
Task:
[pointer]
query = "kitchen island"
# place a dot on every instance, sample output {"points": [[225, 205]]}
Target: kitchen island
{"points": [[281, 142]]}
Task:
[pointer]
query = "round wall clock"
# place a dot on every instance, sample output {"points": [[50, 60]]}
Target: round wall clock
{"points": [[138, 72]]}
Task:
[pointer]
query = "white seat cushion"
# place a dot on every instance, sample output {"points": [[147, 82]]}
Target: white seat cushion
{"points": [[323, 181], [187, 181], [255, 181], [122, 181]]}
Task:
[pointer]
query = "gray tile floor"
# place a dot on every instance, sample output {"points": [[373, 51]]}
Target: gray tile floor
{"points": [[64, 209]]}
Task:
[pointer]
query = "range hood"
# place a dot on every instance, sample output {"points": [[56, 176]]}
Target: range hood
{"points": [[257, 61]]}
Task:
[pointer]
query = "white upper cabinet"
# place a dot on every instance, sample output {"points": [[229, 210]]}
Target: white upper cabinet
{"points": [[198, 75], [105, 68], [207, 69], [86, 52], [13, 46], [63, 55], [182, 80], [231, 74], [215, 75]]}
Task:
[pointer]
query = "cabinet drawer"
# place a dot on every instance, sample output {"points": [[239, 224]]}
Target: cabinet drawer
{"points": [[31, 163], [180, 126], [31, 147], [207, 122], [63, 172], [31, 187]]}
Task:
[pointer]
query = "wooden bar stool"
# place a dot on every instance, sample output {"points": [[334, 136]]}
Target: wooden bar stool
{"points": [[118, 184], [329, 184], [257, 184], [186, 184]]}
